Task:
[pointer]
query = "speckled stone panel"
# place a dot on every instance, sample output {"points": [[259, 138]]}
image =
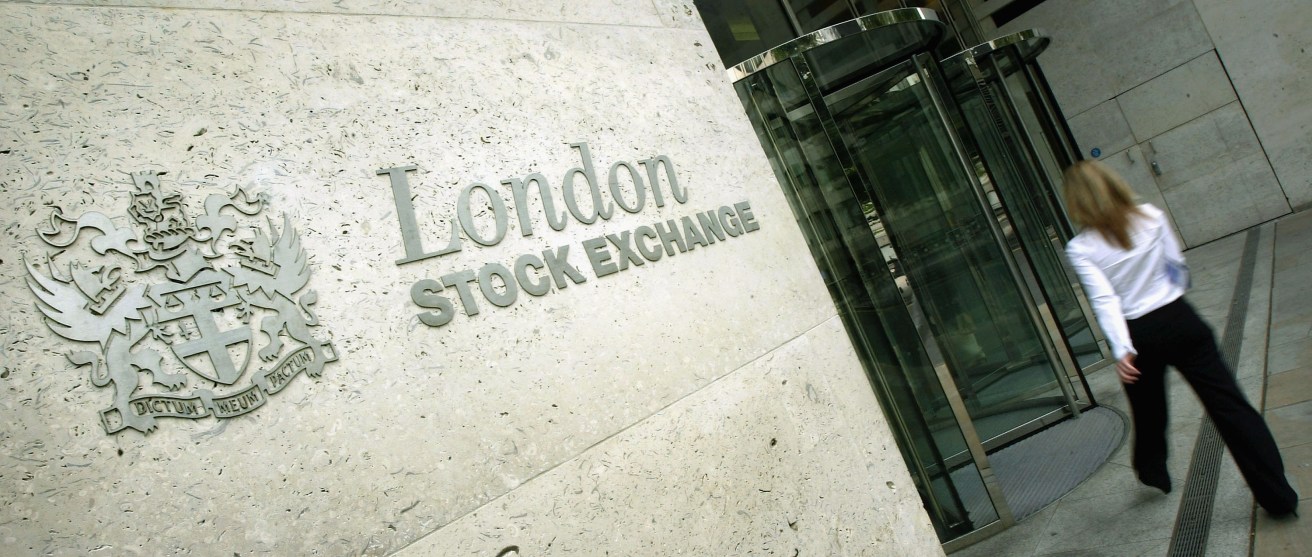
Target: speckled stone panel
{"points": [[412, 427], [672, 13], [1264, 46], [1176, 97], [1134, 167], [1104, 128], [786, 456], [1215, 177], [1102, 49]]}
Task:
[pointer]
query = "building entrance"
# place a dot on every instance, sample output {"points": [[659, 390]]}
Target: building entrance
{"points": [[1020, 135], [941, 252]]}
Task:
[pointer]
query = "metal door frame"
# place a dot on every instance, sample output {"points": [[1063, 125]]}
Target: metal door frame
{"points": [[1026, 45], [924, 67], [974, 444]]}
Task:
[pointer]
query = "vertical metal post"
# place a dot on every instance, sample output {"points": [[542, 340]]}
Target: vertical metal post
{"points": [[1058, 213], [958, 406], [1040, 313]]}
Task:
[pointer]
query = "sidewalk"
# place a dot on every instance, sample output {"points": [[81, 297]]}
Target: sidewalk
{"points": [[1112, 514]]}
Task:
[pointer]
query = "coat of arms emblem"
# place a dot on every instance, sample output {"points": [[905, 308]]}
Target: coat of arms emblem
{"points": [[214, 304]]}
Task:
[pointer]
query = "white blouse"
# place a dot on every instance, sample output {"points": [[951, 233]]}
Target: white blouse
{"points": [[1128, 284]]}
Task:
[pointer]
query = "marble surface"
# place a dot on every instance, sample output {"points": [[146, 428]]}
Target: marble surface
{"points": [[1176, 97], [1104, 128], [1102, 49], [1211, 176], [415, 428], [1133, 165], [1168, 76], [1264, 46], [784, 446], [670, 13], [1215, 176]]}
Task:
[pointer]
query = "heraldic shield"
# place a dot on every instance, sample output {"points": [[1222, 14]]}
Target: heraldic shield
{"points": [[217, 303], [215, 353]]}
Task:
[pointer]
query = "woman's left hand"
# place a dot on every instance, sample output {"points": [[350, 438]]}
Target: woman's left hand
{"points": [[1126, 371]]}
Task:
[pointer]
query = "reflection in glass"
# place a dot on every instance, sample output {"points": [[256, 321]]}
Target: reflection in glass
{"points": [[998, 101], [813, 15], [853, 253], [743, 29], [936, 249], [970, 298]]}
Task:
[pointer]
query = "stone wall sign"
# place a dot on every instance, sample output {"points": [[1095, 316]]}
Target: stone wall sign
{"points": [[534, 273], [217, 303]]}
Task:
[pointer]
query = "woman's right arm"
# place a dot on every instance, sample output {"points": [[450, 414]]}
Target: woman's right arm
{"points": [[1106, 303]]}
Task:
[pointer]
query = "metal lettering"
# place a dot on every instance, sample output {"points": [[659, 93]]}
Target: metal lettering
{"points": [[711, 225], [615, 192], [626, 250], [499, 299], [425, 295], [240, 403], [522, 265], [648, 252], [691, 232], [278, 377], [558, 263], [599, 256], [729, 220], [460, 280], [745, 216], [670, 235], [519, 191], [531, 273], [167, 406], [466, 216], [405, 213], [275, 379], [651, 165], [589, 174]]}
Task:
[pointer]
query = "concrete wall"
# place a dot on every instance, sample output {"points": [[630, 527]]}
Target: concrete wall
{"points": [[706, 403], [1212, 91]]}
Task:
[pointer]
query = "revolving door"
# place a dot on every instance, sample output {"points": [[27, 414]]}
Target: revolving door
{"points": [[945, 304], [1020, 135]]}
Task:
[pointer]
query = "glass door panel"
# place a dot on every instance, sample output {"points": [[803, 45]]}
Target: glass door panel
{"points": [[1051, 151], [853, 253], [932, 258], [1005, 115], [1021, 189], [943, 233]]}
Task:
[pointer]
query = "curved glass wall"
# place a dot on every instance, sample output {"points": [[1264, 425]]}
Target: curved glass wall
{"points": [[929, 263], [1008, 111], [847, 238]]}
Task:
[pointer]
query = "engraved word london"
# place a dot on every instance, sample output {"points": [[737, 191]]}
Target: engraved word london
{"points": [[535, 273], [194, 291]]}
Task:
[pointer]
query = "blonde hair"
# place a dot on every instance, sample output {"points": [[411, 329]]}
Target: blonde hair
{"points": [[1098, 198]]}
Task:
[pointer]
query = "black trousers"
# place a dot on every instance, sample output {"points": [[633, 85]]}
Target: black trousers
{"points": [[1174, 335]]}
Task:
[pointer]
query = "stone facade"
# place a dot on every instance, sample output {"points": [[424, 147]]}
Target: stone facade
{"points": [[704, 402], [1202, 104]]}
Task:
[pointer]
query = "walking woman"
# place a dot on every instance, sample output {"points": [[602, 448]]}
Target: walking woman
{"points": [[1130, 264]]}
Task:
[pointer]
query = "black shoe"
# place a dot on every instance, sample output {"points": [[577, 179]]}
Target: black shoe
{"points": [[1283, 511], [1283, 514], [1283, 507], [1162, 482]]}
